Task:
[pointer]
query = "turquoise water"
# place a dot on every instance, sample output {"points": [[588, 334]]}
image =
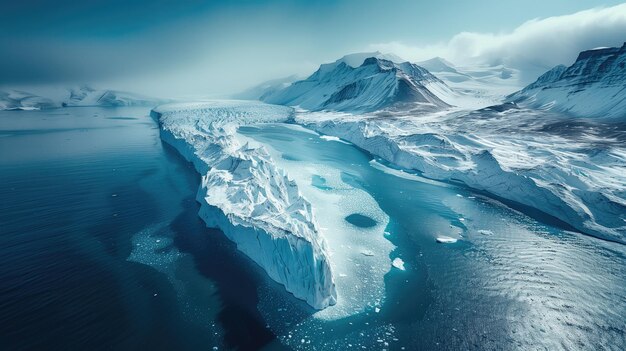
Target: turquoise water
{"points": [[510, 282], [101, 248]]}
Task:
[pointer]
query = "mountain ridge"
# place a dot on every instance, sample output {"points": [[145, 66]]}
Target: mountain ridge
{"points": [[593, 86], [377, 83]]}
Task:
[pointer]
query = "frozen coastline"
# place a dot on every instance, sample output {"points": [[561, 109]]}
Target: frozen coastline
{"points": [[243, 193]]}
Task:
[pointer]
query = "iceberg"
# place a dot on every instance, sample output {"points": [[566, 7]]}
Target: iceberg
{"points": [[248, 197], [474, 86], [398, 263]]}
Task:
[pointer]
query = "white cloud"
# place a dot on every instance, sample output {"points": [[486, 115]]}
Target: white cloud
{"points": [[535, 45]]}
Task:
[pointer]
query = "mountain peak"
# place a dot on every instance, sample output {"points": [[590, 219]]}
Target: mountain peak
{"points": [[591, 87], [377, 83], [357, 59], [381, 63], [601, 52], [438, 64]]}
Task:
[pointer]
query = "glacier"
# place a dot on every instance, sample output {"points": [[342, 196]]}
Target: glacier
{"points": [[461, 129], [572, 170], [475, 86], [248, 197], [515, 146]]}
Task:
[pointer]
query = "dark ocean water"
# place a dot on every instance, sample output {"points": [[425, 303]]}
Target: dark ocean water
{"points": [[101, 248]]}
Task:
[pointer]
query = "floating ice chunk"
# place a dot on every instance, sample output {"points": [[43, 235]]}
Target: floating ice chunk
{"points": [[446, 240], [398, 263], [334, 138], [330, 138], [485, 232]]}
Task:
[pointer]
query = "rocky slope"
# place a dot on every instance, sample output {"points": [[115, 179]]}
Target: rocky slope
{"points": [[594, 86]]}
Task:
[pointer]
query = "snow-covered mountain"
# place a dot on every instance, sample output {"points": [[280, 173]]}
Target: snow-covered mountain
{"points": [[594, 86], [79, 96], [475, 86], [440, 65], [260, 91], [365, 82]]}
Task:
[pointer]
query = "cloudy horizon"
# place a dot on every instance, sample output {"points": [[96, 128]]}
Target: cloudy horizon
{"points": [[165, 48]]}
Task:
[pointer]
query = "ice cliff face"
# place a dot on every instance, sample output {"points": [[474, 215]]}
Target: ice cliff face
{"points": [[570, 169], [80, 96], [244, 194], [594, 86], [376, 83]]}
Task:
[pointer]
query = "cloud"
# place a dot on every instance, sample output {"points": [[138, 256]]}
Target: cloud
{"points": [[534, 46]]}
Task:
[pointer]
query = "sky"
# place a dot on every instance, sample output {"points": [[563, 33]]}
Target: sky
{"points": [[178, 48]]}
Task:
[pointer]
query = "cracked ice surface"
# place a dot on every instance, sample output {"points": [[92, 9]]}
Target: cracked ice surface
{"points": [[571, 169], [359, 255]]}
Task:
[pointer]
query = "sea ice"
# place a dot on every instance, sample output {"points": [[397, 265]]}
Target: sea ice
{"points": [[398, 263]]}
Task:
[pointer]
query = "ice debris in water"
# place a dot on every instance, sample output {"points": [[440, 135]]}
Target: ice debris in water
{"points": [[446, 239], [398, 263]]}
